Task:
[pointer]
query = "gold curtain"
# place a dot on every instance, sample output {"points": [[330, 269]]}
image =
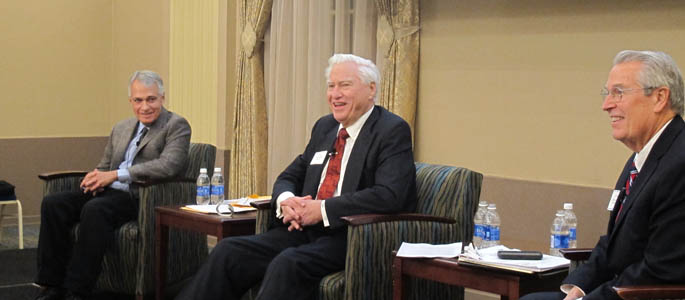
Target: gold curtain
{"points": [[250, 138], [398, 43]]}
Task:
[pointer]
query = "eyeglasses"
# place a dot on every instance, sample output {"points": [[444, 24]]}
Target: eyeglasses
{"points": [[617, 93]]}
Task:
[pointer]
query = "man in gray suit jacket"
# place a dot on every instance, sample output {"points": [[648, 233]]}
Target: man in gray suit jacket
{"points": [[151, 146]]}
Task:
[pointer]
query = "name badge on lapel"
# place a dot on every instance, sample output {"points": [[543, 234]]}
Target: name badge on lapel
{"points": [[612, 201], [318, 157]]}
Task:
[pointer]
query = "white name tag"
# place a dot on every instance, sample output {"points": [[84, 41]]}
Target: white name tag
{"points": [[612, 201], [318, 157]]}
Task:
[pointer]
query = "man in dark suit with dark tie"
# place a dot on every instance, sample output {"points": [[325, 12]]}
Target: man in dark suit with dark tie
{"points": [[645, 240], [152, 145], [359, 160]]}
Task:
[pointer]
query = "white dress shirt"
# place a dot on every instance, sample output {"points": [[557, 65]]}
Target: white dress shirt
{"points": [[353, 130]]}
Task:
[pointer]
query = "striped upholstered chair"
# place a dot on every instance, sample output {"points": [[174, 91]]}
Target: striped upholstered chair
{"points": [[447, 201], [129, 267]]}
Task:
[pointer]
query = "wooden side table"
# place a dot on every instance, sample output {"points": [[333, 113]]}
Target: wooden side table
{"points": [[219, 226], [508, 284]]}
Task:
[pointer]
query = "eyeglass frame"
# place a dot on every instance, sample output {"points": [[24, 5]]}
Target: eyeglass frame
{"points": [[618, 97]]}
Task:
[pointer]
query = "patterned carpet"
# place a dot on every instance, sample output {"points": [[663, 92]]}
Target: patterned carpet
{"points": [[9, 236]]}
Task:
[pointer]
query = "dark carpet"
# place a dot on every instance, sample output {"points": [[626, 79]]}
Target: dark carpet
{"points": [[17, 268], [17, 271]]}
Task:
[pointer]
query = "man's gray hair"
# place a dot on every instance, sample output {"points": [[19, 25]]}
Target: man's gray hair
{"points": [[658, 69], [147, 78], [366, 69]]}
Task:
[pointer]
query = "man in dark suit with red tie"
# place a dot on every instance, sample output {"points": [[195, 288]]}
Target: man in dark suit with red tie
{"points": [[645, 240], [359, 160]]}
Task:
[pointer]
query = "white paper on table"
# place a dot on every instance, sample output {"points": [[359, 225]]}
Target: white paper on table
{"points": [[239, 205], [488, 256], [429, 250]]}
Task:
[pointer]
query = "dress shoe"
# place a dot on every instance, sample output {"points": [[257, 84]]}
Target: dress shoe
{"points": [[50, 293]]}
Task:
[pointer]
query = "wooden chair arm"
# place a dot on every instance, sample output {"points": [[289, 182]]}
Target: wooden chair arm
{"points": [[375, 218], [61, 174], [651, 292], [576, 254], [261, 204]]}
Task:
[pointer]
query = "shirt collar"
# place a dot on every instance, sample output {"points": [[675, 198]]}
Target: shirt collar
{"points": [[354, 129], [641, 156]]}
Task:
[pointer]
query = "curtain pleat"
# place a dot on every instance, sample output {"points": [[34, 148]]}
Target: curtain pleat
{"points": [[249, 147], [398, 51]]}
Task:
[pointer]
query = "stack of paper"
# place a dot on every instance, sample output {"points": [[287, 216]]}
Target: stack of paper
{"points": [[429, 250], [239, 205], [488, 257]]}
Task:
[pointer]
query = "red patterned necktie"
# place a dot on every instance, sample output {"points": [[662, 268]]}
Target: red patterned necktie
{"points": [[629, 183], [330, 183]]}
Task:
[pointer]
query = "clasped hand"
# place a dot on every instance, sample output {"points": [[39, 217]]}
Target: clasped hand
{"points": [[96, 181], [301, 211]]}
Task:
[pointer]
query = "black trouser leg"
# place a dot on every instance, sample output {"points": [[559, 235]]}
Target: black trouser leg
{"points": [[237, 264], [59, 212], [296, 272], [99, 218]]}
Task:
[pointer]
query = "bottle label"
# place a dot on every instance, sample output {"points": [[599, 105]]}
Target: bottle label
{"points": [[217, 190], [494, 233], [572, 234], [203, 191], [560, 241], [486, 233], [479, 231]]}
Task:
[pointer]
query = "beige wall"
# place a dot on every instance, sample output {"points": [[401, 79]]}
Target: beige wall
{"points": [[140, 41], [55, 68], [510, 88]]}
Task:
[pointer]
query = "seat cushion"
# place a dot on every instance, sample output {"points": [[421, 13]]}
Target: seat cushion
{"points": [[332, 286]]}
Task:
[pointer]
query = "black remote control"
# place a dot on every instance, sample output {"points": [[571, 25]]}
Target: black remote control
{"points": [[520, 255]]}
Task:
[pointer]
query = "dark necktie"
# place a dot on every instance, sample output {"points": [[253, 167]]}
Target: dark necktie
{"points": [[142, 135], [629, 183], [330, 183]]}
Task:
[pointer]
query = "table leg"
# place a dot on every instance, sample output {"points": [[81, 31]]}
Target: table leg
{"points": [[397, 279], [161, 248]]}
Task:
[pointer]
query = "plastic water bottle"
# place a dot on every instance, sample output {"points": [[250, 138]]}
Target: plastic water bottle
{"points": [[492, 229], [202, 188], [572, 223], [217, 191], [559, 234], [478, 220]]}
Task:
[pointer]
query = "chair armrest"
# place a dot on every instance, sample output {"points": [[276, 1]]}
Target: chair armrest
{"points": [[375, 218], [651, 292], [374, 242], [161, 181], [576, 254], [61, 174], [261, 204]]}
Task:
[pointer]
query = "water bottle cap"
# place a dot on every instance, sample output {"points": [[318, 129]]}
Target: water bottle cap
{"points": [[483, 203], [568, 205], [217, 169], [203, 170], [492, 206]]}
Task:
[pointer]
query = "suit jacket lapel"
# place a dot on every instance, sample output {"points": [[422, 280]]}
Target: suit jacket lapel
{"points": [[355, 164], [620, 185], [662, 145], [154, 129], [121, 141], [326, 144]]}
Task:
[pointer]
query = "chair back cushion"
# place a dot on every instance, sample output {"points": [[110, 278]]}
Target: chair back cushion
{"points": [[451, 192], [200, 156]]}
